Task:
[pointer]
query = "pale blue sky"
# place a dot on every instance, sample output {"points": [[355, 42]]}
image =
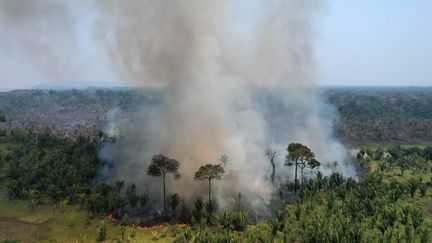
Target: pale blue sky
{"points": [[359, 42], [376, 42]]}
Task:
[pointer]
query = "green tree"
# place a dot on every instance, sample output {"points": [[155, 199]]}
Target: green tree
{"points": [[301, 157], [161, 166], [209, 172]]}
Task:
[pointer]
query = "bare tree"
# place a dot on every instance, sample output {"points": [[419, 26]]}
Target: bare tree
{"points": [[272, 157]]}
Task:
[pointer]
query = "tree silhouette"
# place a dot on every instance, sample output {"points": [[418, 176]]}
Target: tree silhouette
{"points": [[209, 172], [161, 166], [300, 156], [224, 159], [272, 156]]}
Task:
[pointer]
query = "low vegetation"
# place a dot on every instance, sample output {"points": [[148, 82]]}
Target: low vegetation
{"points": [[47, 192]]}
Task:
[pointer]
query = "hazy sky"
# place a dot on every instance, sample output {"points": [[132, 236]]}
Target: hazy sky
{"points": [[359, 42]]}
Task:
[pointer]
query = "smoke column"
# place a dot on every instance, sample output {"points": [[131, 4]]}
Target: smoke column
{"points": [[220, 71], [40, 30]]}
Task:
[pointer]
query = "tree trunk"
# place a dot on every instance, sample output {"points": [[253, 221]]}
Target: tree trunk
{"points": [[164, 193], [209, 191], [295, 179], [302, 181], [273, 173]]}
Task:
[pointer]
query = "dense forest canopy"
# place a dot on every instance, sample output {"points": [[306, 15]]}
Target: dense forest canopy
{"points": [[366, 115], [383, 115]]}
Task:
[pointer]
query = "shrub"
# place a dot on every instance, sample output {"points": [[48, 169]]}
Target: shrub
{"points": [[102, 232], [240, 221], [173, 201], [423, 190], [412, 187]]}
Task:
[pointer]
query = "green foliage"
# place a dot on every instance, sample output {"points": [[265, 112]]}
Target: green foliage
{"points": [[371, 115], [9, 241], [413, 185], [173, 201], [161, 166], [197, 212], [104, 199], [102, 231], [43, 165], [232, 221], [301, 157], [209, 172], [425, 235], [210, 208]]}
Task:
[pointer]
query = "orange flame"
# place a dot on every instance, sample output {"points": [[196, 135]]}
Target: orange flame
{"points": [[138, 227]]}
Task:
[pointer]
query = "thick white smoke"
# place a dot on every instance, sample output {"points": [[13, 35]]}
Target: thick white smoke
{"points": [[228, 91], [237, 76]]}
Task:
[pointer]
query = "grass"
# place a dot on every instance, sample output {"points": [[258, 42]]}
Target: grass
{"points": [[68, 223]]}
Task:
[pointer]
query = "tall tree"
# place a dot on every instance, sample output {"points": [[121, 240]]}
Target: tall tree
{"points": [[161, 166], [300, 156], [209, 172], [272, 156]]}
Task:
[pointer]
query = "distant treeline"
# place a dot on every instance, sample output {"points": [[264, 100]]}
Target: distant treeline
{"points": [[367, 115], [383, 115]]}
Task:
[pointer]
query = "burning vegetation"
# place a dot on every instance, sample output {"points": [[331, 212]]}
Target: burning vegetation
{"points": [[245, 88]]}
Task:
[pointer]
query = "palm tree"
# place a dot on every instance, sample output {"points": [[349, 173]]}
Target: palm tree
{"points": [[161, 166], [209, 172]]}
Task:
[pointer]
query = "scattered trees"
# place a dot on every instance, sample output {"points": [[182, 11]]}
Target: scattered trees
{"points": [[209, 172], [160, 167], [369, 209]]}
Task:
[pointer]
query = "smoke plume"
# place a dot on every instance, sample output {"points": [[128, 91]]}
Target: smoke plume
{"points": [[40, 30], [237, 77], [233, 86]]}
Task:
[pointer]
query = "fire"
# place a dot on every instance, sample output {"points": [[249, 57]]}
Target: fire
{"points": [[138, 227], [149, 227]]}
